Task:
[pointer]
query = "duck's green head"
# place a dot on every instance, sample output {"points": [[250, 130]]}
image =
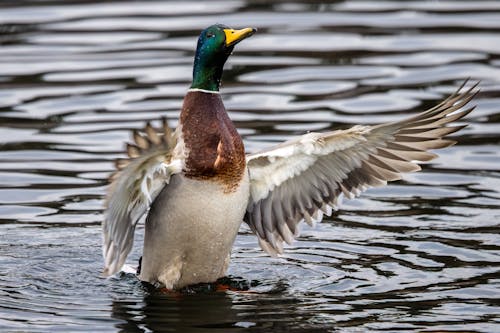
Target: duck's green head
{"points": [[215, 44]]}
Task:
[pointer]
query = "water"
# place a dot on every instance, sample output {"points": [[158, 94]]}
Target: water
{"points": [[419, 255]]}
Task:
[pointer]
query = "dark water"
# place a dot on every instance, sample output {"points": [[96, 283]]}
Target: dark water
{"points": [[421, 254]]}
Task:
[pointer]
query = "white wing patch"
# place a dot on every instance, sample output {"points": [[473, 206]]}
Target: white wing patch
{"points": [[137, 186], [290, 159]]}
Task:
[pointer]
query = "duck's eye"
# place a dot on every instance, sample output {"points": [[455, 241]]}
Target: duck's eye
{"points": [[210, 35]]}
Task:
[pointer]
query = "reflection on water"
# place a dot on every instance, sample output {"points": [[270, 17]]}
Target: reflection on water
{"points": [[158, 312], [420, 254]]}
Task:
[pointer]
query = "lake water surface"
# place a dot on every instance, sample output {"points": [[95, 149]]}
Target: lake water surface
{"points": [[422, 254]]}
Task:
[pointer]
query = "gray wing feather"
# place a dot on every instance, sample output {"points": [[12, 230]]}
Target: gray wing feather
{"points": [[301, 179], [138, 180]]}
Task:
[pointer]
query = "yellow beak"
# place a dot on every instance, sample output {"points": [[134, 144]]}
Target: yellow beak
{"points": [[234, 36]]}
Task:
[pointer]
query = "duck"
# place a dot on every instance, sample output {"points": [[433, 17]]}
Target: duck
{"points": [[196, 184]]}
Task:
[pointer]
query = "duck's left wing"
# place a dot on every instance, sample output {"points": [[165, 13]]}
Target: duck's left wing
{"points": [[138, 180], [303, 178]]}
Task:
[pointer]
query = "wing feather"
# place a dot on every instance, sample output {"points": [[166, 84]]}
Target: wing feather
{"points": [[302, 179], [134, 186]]}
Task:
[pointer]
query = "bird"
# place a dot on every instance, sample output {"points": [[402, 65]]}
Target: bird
{"points": [[196, 184]]}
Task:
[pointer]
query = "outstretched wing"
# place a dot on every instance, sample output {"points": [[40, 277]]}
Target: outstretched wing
{"points": [[134, 186], [303, 178]]}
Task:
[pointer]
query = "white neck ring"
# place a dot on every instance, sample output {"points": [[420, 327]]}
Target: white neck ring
{"points": [[203, 91]]}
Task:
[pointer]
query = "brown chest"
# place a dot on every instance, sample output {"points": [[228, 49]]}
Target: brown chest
{"points": [[214, 148]]}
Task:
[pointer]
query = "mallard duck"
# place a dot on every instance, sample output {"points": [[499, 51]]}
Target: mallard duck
{"points": [[197, 185]]}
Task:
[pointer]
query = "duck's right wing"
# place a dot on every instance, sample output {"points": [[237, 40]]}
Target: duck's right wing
{"points": [[134, 186]]}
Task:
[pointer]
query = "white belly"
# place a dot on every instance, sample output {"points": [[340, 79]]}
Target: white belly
{"points": [[190, 231]]}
